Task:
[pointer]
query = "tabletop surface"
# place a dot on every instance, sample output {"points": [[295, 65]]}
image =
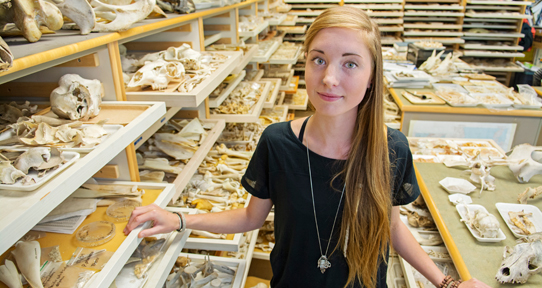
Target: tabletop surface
{"points": [[406, 106], [482, 260]]}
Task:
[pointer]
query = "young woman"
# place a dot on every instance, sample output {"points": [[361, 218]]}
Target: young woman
{"points": [[336, 178]]}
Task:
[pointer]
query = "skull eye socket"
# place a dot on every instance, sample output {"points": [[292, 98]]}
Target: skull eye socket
{"points": [[532, 267], [506, 271]]}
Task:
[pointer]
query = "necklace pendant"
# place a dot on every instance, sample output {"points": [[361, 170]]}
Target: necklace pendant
{"points": [[323, 264]]}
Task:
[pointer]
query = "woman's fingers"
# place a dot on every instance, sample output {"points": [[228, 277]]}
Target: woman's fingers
{"points": [[143, 214]]}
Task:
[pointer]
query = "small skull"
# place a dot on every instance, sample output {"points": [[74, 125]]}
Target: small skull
{"points": [[157, 74], [520, 263]]}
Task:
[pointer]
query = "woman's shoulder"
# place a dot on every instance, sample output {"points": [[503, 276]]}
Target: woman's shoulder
{"points": [[276, 131], [396, 139]]}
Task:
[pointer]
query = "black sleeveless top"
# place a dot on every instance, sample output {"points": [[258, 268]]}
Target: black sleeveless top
{"points": [[278, 171]]}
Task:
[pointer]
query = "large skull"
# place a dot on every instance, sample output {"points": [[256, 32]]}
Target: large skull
{"points": [[520, 263], [77, 98], [525, 162], [119, 14], [157, 74]]}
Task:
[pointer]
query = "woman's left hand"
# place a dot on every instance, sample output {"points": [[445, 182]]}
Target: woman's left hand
{"points": [[474, 283]]}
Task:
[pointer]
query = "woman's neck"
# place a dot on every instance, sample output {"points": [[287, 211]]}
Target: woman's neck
{"points": [[330, 136]]}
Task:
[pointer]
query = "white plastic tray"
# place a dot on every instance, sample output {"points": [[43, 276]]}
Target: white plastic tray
{"points": [[448, 185], [474, 207], [536, 218], [110, 129], [70, 158]]}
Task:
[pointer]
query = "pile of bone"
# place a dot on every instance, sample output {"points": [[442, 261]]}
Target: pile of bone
{"points": [[217, 185], [169, 149], [392, 110], [26, 17], [286, 50], [229, 47], [263, 47], [15, 165], [238, 132], [435, 66], [266, 237], [271, 115], [53, 132], [180, 64], [241, 100], [10, 113], [189, 273], [243, 248], [249, 23]]}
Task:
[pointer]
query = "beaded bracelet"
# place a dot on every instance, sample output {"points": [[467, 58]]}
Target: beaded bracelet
{"points": [[455, 284], [182, 220], [446, 281]]}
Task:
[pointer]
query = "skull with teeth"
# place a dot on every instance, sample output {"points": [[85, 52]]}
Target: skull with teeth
{"points": [[77, 98], [521, 262], [157, 74]]}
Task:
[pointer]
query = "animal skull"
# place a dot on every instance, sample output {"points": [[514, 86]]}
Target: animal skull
{"points": [[157, 74], [485, 223], [77, 98], [120, 17], [525, 162], [79, 11], [190, 58], [520, 263], [28, 16]]}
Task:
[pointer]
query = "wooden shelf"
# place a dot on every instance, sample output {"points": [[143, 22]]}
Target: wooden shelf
{"points": [[378, 6], [496, 16], [372, 1], [274, 93], [436, 34], [192, 166], [431, 13], [268, 53], [277, 21], [305, 1], [256, 31], [286, 61], [431, 26], [492, 47], [216, 101], [468, 53], [163, 265], [20, 211], [247, 58], [522, 3], [256, 109], [390, 28], [433, 7], [211, 38], [441, 40], [482, 36], [171, 111], [66, 45], [305, 13], [388, 20], [195, 97], [489, 26], [110, 271]]}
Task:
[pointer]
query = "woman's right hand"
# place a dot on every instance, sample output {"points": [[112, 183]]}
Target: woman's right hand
{"points": [[163, 221]]}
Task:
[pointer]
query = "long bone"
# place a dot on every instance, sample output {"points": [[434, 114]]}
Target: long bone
{"points": [[222, 149]]}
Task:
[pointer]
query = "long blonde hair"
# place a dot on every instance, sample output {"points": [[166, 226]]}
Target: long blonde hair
{"points": [[365, 227]]}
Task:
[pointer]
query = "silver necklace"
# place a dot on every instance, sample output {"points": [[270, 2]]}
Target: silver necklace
{"points": [[323, 262]]}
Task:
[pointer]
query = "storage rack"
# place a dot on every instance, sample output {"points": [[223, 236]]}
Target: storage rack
{"points": [[37, 68]]}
